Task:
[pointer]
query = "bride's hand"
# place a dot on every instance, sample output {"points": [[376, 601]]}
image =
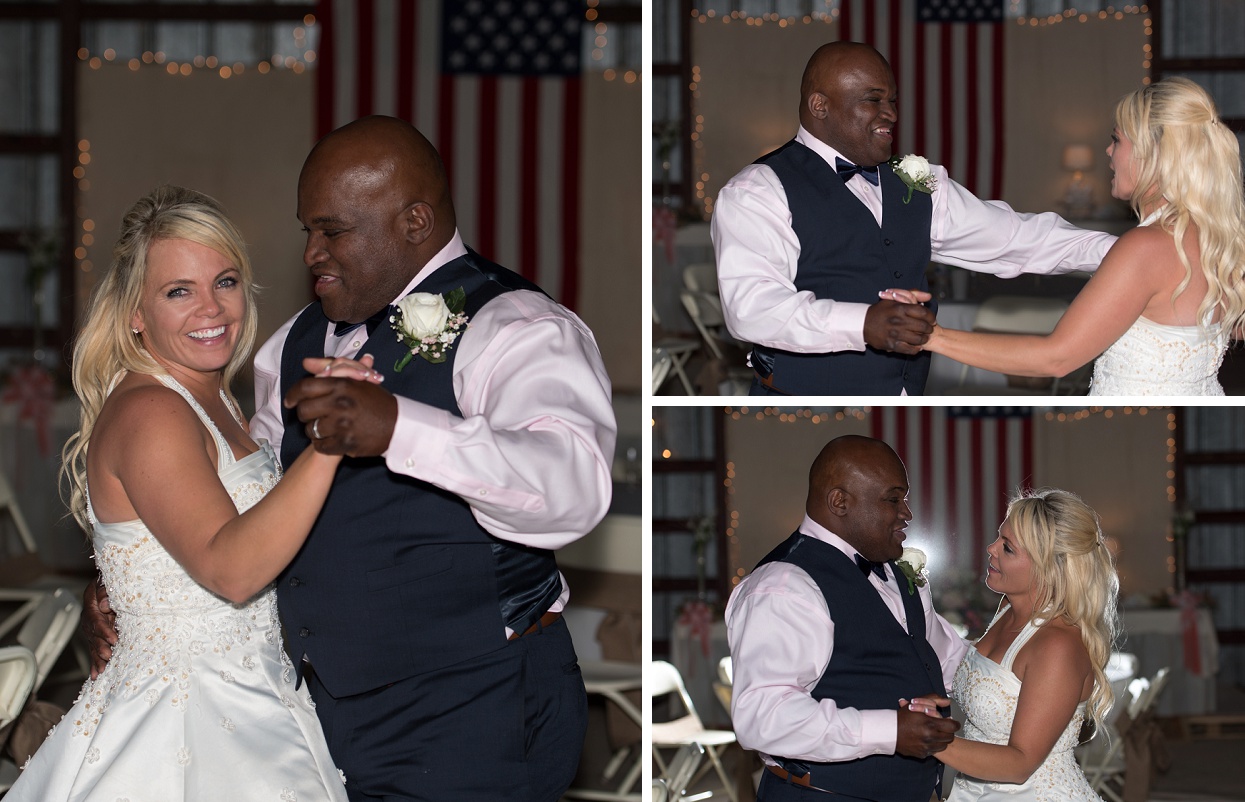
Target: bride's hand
{"points": [[905, 296], [339, 367], [929, 705]]}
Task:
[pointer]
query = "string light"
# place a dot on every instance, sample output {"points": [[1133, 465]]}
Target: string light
{"points": [[296, 64], [86, 237], [795, 414], [830, 14]]}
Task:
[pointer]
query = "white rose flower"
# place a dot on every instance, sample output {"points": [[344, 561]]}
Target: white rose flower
{"points": [[917, 168], [911, 556], [424, 314]]}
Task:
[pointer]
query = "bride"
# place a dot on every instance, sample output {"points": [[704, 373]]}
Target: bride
{"points": [[189, 526], [1169, 295], [1040, 668]]}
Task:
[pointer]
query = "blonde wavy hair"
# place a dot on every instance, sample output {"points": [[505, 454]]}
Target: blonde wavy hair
{"points": [[1183, 154], [106, 348], [1074, 576]]}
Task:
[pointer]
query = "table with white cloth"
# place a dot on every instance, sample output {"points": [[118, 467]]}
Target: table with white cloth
{"points": [[1157, 637], [700, 671]]}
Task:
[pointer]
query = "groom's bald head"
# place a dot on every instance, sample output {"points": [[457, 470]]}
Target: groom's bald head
{"points": [[858, 489]]}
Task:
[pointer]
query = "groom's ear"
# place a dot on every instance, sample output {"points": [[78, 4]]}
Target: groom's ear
{"points": [[817, 105], [837, 501]]}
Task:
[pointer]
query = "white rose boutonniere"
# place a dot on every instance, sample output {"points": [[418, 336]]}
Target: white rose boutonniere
{"points": [[912, 563], [914, 171], [428, 324]]}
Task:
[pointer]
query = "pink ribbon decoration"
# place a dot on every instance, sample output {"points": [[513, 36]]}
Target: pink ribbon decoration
{"points": [[665, 222], [33, 390], [697, 616], [1188, 629]]}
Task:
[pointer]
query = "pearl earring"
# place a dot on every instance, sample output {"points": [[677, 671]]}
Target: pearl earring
{"points": [[134, 331]]}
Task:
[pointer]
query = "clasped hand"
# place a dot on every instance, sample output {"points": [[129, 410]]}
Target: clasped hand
{"points": [[898, 322], [923, 731], [343, 408]]}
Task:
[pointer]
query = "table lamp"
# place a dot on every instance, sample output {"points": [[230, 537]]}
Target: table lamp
{"points": [[1079, 198]]}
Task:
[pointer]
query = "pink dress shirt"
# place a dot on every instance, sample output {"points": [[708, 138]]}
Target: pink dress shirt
{"points": [[531, 453], [757, 251], [781, 638]]}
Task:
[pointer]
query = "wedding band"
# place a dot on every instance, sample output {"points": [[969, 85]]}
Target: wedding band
{"points": [[315, 429]]}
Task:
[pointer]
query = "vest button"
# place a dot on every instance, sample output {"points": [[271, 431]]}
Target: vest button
{"points": [[886, 242], [304, 632], [897, 274], [295, 581]]}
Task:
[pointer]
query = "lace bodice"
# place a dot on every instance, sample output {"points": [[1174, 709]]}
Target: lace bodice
{"points": [[1157, 359], [1154, 359], [988, 693]]}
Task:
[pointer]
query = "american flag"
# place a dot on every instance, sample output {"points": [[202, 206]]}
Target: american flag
{"points": [[495, 86], [963, 464], [947, 56]]}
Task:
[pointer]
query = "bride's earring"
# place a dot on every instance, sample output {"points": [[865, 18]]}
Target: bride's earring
{"points": [[134, 331]]}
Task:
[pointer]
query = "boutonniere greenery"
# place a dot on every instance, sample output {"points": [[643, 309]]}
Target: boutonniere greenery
{"points": [[912, 564], [915, 172], [428, 324]]}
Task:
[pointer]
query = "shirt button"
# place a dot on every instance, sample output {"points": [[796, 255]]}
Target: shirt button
{"points": [[410, 463], [359, 343], [304, 632], [482, 492]]}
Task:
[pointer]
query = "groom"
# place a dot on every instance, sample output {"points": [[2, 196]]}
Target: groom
{"points": [[826, 637], [803, 247]]}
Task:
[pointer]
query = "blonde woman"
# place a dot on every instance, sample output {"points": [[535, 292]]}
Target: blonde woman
{"points": [[1040, 669], [1160, 311], [189, 526]]}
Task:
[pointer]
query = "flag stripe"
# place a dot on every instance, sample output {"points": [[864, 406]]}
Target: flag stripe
{"points": [[408, 35], [365, 76]]}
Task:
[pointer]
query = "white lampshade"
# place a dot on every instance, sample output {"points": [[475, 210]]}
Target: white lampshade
{"points": [[1078, 157]]}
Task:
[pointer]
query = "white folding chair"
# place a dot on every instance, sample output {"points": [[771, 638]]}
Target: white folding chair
{"points": [[1106, 774], [48, 630], [18, 672], [665, 682], [681, 769]]}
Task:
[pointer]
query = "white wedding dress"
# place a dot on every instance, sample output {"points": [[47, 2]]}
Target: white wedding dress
{"points": [[987, 692], [198, 700], [1156, 359]]}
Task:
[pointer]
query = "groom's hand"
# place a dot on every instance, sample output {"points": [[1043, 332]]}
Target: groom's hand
{"points": [[350, 417], [920, 735], [900, 327], [98, 625]]}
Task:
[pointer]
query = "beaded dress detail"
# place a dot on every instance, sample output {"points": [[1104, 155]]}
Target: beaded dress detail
{"points": [[198, 700], [987, 692], [1156, 359]]}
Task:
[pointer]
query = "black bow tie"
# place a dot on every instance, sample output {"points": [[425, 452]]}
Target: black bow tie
{"points": [[342, 328], [866, 566], [846, 170]]}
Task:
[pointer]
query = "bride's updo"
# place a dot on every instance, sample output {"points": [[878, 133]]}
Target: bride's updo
{"points": [[106, 348], [1073, 574], [1184, 154]]}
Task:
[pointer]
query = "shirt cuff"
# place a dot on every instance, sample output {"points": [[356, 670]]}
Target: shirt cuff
{"points": [[879, 730], [851, 326], [420, 438]]}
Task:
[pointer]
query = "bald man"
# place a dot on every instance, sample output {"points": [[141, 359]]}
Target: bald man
{"points": [[825, 641], [804, 247], [425, 609]]}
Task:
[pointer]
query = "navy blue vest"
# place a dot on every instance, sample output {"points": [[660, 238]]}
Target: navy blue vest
{"points": [[397, 578], [874, 664], [845, 256]]}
